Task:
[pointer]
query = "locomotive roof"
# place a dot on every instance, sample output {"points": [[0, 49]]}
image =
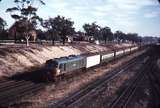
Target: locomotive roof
{"points": [[68, 59]]}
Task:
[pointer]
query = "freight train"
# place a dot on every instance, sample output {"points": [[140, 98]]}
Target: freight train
{"points": [[59, 66]]}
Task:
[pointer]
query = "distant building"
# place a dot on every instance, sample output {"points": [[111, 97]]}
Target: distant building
{"points": [[14, 34], [90, 39]]}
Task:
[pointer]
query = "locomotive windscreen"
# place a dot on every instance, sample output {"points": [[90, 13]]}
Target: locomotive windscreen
{"points": [[52, 63]]}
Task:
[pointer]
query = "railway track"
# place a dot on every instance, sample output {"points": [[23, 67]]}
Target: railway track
{"points": [[149, 71], [151, 74], [12, 91], [125, 97], [97, 86], [154, 83]]}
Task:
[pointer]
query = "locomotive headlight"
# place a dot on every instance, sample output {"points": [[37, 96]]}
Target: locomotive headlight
{"points": [[57, 71]]}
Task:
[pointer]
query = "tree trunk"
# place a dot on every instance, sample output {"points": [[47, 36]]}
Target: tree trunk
{"points": [[27, 40], [15, 36], [105, 40], [53, 40], [63, 41]]}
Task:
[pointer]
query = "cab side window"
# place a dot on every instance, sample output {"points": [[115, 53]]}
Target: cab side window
{"points": [[62, 67]]}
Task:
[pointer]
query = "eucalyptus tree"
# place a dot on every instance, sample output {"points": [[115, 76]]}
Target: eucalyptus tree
{"points": [[2, 24], [158, 40], [24, 13], [3, 32], [133, 37], [106, 34], [119, 35], [47, 25], [92, 30], [59, 26]]}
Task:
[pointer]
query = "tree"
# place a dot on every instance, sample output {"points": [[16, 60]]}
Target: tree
{"points": [[47, 24], [3, 32], [133, 37], [59, 26], [2, 24], [41, 34], [92, 29], [106, 34], [120, 36], [158, 40], [25, 16]]}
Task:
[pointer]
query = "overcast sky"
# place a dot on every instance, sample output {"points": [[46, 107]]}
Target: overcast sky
{"points": [[141, 16]]}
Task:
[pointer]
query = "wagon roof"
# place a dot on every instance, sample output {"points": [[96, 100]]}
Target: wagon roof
{"points": [[107, 52], [90, 54]]}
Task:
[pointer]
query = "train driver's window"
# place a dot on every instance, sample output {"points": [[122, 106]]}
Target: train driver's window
{"points": [[55, 64], [61, 66]]}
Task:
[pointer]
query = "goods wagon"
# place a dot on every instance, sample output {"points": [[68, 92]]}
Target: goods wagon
{"points": [[92, 60], [134, 48], [106, 57], [119, 53], [127, 51]]}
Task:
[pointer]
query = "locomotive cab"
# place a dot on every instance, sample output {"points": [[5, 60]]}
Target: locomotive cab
{"points": [[52, 68], [60, 66]]}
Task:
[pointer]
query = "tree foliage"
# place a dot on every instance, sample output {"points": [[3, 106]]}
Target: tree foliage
{"points": [[2, 24], [106, 34], [119, 35], [3, 32], [132, 37], [59, 26], [92, 29], [24, 10], [25, 16]]}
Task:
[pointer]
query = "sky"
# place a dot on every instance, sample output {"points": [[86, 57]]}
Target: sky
{"points": [[136, 16]]}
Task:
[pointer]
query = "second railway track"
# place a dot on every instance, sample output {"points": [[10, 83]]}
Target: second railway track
{"points": [[125, 97], [12, 91]]}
